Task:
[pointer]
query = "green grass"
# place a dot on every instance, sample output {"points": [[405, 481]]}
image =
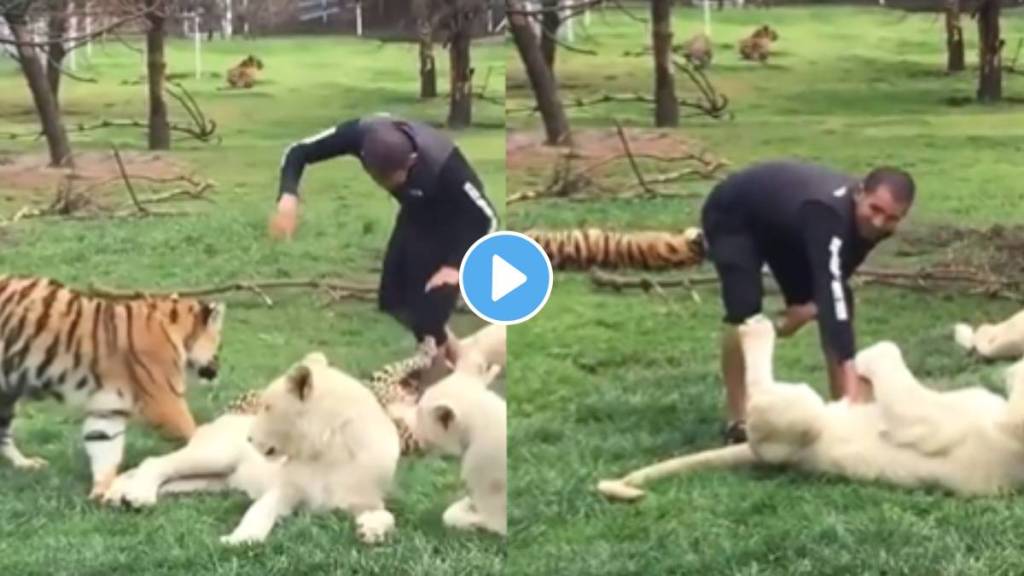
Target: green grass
{"points": [[49, 526], [604, 383]]}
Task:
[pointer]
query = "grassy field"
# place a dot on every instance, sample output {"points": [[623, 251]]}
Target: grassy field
{"points": [[604, 383], [308, 84]]}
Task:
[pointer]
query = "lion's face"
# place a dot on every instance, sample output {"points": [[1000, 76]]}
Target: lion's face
{"points": [[291, 413]]}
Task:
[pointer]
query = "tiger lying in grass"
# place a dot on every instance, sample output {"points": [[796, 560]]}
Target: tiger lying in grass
{"points": [[967, 441], [649, 250], [114, 358]]}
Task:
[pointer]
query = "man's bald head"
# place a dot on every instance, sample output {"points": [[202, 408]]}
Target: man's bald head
{"points": [[387, 154]]}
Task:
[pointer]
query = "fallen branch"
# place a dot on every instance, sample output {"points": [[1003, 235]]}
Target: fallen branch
{"points": [[128, 182], [335, 287], [976, 282], [632, 161]]}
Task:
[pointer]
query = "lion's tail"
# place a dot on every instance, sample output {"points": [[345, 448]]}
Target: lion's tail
{"points": [[628, 487]]}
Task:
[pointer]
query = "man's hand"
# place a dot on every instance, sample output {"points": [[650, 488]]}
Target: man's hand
{"points": [[794, 318], [846, 383], [283, 221], [444, 275]]}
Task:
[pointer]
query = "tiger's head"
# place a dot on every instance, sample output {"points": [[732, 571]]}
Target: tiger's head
{"points": [[199, 326]]}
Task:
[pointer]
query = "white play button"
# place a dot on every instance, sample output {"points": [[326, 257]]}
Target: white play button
{"points": [[504, 278]]}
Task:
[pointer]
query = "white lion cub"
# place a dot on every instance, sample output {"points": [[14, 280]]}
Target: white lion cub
{"points": [[319, 439], [460, 416]]}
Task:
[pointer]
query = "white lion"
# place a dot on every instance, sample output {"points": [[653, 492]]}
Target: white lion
{"points": [[319, 439], [1002, 341], [460, 416], [968, 441], [485, 347]]}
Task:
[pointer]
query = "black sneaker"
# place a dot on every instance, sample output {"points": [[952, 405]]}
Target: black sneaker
{"points": [[735, 432]]}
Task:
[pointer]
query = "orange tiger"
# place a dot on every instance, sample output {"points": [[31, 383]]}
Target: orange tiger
{"points": [[244, 75], [758, 45], [649, 250], [111, 357]]}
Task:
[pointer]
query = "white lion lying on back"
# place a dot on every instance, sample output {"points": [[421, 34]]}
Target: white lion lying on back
{"points": [[320, 440], [968, 441]]}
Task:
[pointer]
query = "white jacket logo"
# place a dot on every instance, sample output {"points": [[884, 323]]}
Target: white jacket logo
{"points": [[838, 296]]}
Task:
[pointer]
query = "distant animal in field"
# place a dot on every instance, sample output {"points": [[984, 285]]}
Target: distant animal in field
{"points": [[698, 51], [758, 45], [244, 74]]}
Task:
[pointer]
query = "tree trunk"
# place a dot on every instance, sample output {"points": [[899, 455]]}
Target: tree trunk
{"points": [[954, 38], [159, 130], [542, 80], [460, 109], [550, 22], [43, 98], [57, 28], [428, 66], [666, 112], [990, 79]]}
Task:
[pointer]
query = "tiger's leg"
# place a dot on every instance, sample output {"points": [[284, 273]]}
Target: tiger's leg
{"points": [[8, 448], [103, 434], [170, 415]]}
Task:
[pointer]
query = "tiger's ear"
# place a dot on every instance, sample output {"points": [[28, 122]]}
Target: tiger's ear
{"points": [[300, 382], [214, 313]]}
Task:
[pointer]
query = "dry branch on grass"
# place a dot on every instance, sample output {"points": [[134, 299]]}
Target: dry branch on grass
{"points": [[711, 103], [336, 288], [934, 279]]}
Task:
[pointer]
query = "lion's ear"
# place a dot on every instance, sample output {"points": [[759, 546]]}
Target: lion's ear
{"points": [[300, 382]]}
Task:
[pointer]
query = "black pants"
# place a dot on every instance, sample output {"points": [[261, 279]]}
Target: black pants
{"points": [[739, 257], [414, 255]]}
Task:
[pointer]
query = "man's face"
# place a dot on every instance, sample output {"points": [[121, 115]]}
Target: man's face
{"points": [[878, 213], [394, 180]]}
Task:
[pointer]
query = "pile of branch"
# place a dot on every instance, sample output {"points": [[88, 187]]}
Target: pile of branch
{"points": [[960, 280], [79, 204], [580, 185]]}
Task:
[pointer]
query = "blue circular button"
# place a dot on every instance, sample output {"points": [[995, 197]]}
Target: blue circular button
{"points": [[505, 278]]}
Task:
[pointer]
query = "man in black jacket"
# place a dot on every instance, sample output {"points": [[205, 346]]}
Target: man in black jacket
{"points": [[813, 227], [443, 211]]}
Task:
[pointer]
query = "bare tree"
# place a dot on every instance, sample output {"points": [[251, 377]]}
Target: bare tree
{"points": [[15, 14], [57, 29], [458, 20], [990, 78], [156, 66], [954, 38], [425, 32], [666, 107], [550, 22], [556, 124]]}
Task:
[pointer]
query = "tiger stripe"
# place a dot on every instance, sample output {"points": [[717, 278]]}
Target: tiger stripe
{"points": [[646, 250], [110, 355]]}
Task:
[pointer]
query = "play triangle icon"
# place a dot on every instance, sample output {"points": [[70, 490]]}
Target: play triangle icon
{"points": [[505, 278]]}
